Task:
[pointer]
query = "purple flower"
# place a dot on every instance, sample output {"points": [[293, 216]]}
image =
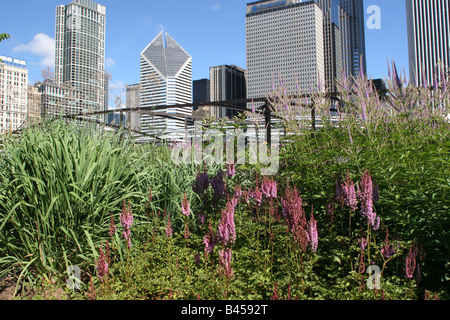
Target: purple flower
{"points": [[112, 226], [126, 220], [225, 263], [201, 183], [169, 230], [202, 218], [349, 194], [269, 188], [227, 231], [257, 196], [365, 194], [362, 243], [238, 192], [410, 263], [312, 234], [102, 265], [231, 170], [210, 240], [387, 250], [295, 216], [219, 185], [185, 208]]}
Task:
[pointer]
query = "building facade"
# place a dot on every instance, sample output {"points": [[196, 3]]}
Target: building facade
{"points": [[201, 93], [166, 80], [34, 105], [352, 25], [59, 100], [80, 51], [133, 102], [285, 42], [228, 82], [428, 24], [332, 43], [13, 93]]}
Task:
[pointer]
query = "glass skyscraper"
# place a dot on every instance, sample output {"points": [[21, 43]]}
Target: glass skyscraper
{"points": [[80, 51], [428, 23], [353, 37], [332, 43], [166, 80]]}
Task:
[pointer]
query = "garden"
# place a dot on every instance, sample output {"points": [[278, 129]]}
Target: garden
{"points": [[358, 210]]}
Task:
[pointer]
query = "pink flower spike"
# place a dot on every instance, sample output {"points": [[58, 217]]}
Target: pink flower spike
{"points": [[126, 220], [185, 207], [313, 234], [102, 266], [231, 170]]}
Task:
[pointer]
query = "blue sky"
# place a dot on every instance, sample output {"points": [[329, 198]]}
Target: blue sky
{"points": [[211, 31]]}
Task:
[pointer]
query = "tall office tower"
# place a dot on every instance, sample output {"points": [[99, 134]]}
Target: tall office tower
{"points": [[133, 102], [13, 93], [353, 37], [428, 23], [332, 43], [201, 93], [227, 83], [80, 51], [166, 79], [284, 40], [201, 90]]}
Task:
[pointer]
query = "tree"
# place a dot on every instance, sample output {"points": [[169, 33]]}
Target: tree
{"points": [[47, 74], [4, 36]]}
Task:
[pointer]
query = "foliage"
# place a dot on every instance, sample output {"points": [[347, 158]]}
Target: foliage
{"points": [[65, 191], [4, 36]]}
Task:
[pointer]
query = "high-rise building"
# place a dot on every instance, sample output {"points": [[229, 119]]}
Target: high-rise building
{"points": [[166, 80], [201, 93], [13, 93], [59, 100], [428, 24], [34, 105], [285, 39], [133, 102], [332, 43], [353, 46], [228, 82], [80, 51], [201, 90]]}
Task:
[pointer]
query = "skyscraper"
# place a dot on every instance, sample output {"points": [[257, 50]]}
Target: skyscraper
{"points": [[133, 102], [284, 40], [332, 43], [428, 24], [80, 51], [166, 79], [228, 82], [353, 37]]}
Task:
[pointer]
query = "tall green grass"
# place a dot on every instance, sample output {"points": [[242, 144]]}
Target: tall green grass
{"points": [[59, 185]]}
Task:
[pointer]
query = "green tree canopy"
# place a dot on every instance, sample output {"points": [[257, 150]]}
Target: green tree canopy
{"points": [[4, 36]]}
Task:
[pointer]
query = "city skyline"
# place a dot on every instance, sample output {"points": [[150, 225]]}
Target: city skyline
{"points": [[223, 19]]}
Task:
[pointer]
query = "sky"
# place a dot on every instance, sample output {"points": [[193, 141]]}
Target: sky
{"points": [[211, 31]]}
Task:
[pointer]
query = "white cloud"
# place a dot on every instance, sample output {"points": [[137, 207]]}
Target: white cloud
{"points": [[41, 45], [216, 7], [109, 62]]}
